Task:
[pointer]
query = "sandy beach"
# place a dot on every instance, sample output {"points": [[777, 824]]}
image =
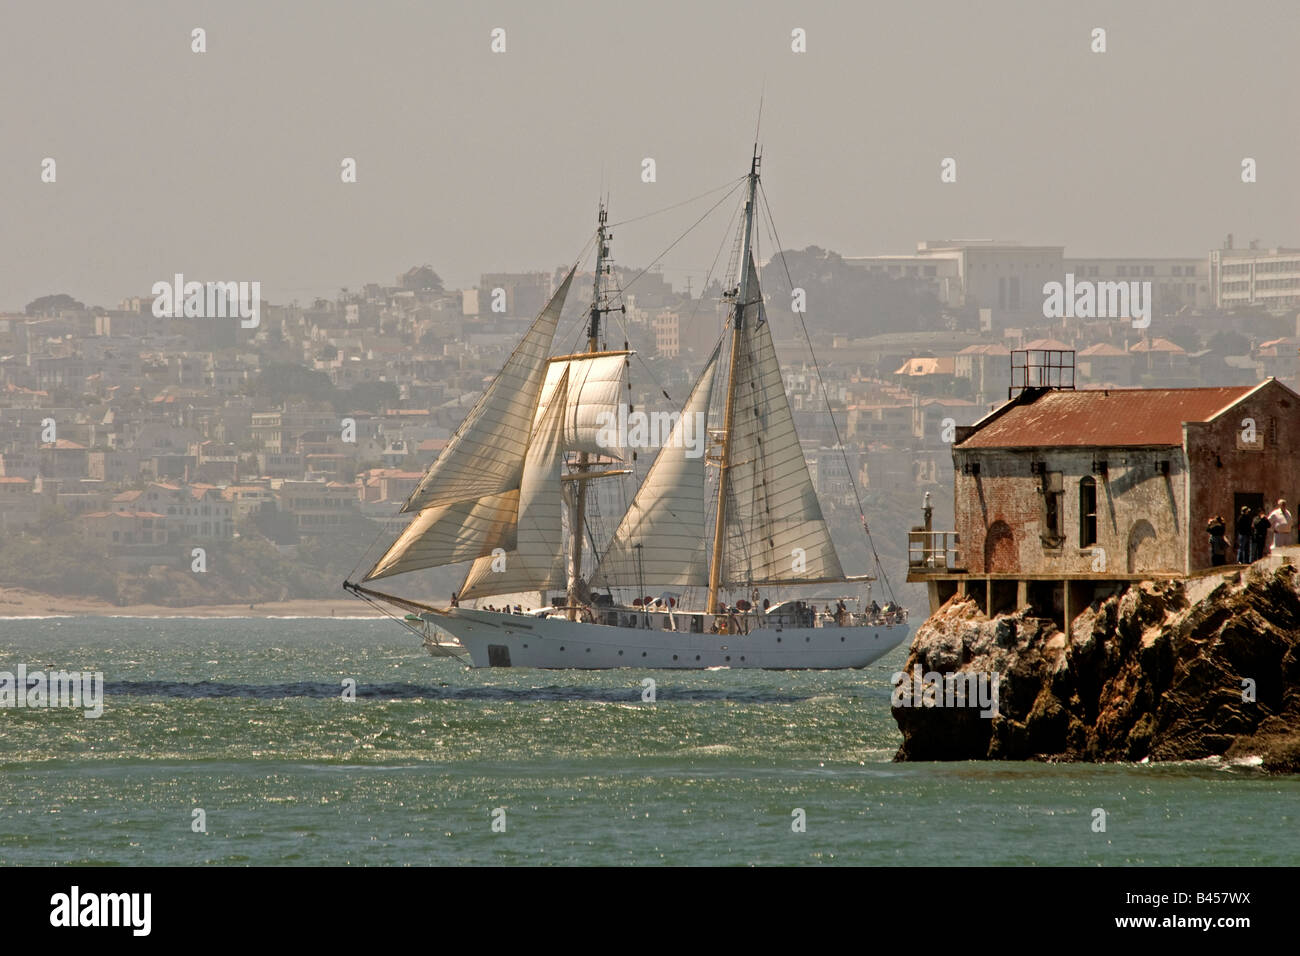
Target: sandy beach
{"points": [[20, 602]]}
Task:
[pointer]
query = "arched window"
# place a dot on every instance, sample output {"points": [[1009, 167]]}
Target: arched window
{"points": [[1087, 511]]}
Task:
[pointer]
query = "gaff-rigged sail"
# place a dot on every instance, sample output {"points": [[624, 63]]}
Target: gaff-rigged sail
{"points": [[780, 535]]}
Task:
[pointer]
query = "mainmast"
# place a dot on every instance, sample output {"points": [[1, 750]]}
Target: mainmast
{"points": [[737, 328], [577, 517]]}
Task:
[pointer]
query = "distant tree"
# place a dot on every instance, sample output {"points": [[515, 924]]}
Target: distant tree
{"points": [[1185, 339], [713, 290], [53, 304], [372, 396], [271, 523], [280, 381], [1228, 342], [842, 297], [421, 278]]}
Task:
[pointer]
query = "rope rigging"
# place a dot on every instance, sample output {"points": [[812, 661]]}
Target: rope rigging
{"points": [[839, 441]]}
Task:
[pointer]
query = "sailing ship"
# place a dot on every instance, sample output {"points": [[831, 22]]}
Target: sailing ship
{"points": [[716, 530]]}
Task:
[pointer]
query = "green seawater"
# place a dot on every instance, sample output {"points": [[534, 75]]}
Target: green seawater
{"points": [[245, 720]]}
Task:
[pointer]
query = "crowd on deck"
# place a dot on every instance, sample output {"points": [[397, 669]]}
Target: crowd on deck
{"points": [[1257, 532]]}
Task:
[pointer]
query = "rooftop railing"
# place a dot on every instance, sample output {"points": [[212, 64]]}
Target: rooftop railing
{"points": [[937, 551]]}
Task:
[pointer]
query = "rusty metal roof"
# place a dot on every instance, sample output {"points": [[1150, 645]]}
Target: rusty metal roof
{"points": [[1105, 418]]}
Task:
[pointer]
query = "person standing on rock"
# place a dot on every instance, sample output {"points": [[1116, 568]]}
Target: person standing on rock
{"points": [[1259, 529], [1280, 520], [1244, 519], [1218, 543]]}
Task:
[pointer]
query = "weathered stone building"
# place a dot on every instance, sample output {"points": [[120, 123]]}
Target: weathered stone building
{"points": [[1063, 495]]}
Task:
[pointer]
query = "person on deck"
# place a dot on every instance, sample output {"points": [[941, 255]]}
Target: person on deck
{"points": [[1259, 529], [1218, 543], [1244, 519], [1281, 521]]}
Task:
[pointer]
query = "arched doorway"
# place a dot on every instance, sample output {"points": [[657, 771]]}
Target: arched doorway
{"points": [[999, 548], [1141, 547]]}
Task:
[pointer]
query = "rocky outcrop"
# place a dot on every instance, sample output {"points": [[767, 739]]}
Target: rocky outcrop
{"points": [[1178, 670]]}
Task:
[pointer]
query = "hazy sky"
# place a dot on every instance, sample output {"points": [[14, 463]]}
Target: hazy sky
{"points": [[226, 165]]}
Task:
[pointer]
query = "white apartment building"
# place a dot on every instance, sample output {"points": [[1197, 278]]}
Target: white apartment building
{"points": [[1255, 277]]}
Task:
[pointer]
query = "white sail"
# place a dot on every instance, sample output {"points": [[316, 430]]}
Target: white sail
{"points": [[660, 543], [537, 560], [486, 455], [449, 534], [595, 385], [781, 536]]}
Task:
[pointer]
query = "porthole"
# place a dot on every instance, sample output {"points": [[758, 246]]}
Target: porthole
{"points": [[778, 640], [620, 653], [561, 647], [728, 658], [806, 639], [841, 638], [674, 657], [643, 653], [697, 657], [589, 650]]}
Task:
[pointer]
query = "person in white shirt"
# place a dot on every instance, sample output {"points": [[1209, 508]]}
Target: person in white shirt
{"points": [[1281, 521]]}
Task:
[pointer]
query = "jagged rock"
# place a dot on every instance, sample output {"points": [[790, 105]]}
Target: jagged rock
{"points": [[1156, 672]]}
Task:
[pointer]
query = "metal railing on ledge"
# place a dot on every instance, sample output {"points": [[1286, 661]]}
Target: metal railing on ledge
{"points": [[937, 551]]}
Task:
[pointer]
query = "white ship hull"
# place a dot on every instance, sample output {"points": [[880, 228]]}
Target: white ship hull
{"points": [[495, 639]]}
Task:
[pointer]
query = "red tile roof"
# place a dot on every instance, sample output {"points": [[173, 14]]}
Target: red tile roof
{"points": [[1105, 418], [1157, 345], [1102, 348]]}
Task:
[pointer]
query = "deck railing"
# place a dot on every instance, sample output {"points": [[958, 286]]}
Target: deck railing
{"points": [[933, 551]]}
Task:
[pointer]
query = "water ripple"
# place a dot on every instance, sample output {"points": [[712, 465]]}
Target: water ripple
{"points": [[204, 689]]}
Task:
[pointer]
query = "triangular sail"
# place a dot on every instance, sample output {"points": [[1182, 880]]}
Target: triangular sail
{"points": [[537, 561], [486, 455], [777, 534], [660, 543], [449, 534]]}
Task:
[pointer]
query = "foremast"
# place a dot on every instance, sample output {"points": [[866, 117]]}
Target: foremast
{"points": [[737, 328], [577, 516]]}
